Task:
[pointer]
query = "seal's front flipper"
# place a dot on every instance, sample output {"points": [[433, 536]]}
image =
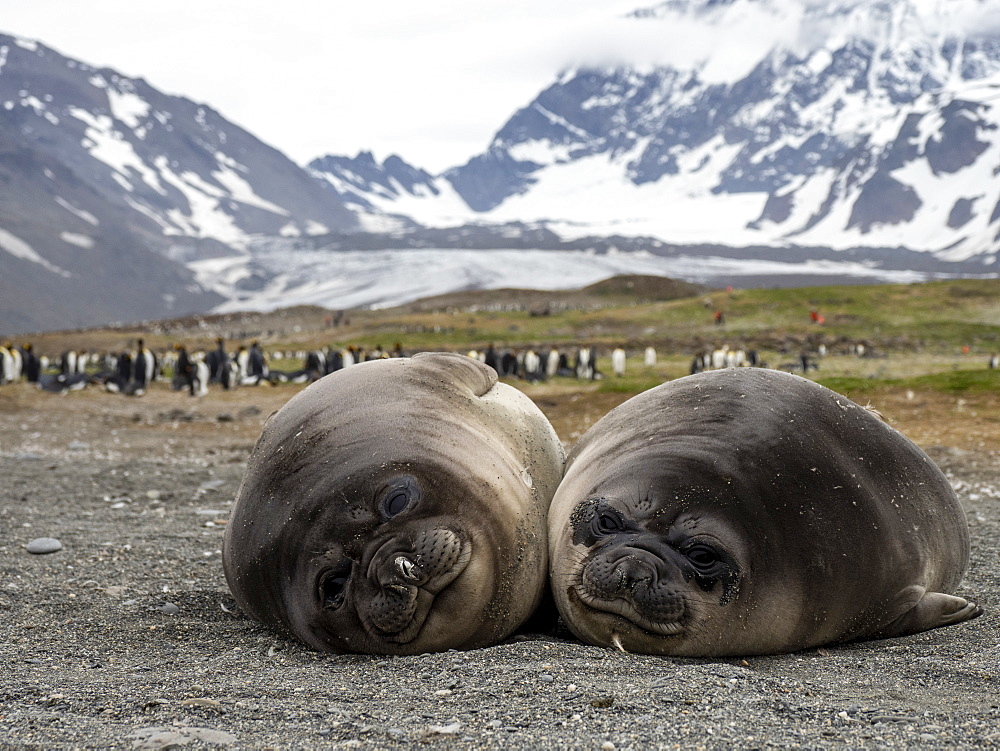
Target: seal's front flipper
{"points": [[922, 610]]}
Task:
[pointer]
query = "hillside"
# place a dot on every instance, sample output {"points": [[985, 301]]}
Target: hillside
{"points": [[934, 318], [616, 291]]}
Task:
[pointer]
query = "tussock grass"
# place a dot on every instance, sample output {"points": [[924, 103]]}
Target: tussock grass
{"points": [[949, 382]]}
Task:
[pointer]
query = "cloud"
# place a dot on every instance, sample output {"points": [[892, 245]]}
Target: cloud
{"points": [[724, 43]]}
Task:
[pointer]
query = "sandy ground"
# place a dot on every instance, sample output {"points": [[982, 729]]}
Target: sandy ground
{"points": [[127, 636]]}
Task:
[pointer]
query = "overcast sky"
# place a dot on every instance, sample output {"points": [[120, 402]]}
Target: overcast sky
{"points": [[430, 80]]}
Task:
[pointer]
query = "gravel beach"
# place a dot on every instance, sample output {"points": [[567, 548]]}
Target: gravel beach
{"points": [[127, 637]]}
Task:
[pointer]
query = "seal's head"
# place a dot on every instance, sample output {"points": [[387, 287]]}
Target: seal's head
{"points": [[396, 507], [750, 511], [644, 559], [647, 583]]}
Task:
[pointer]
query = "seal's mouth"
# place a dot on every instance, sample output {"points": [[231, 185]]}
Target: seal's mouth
{"points": [[622, 609]]}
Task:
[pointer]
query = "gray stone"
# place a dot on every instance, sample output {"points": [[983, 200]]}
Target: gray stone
{"points": [[43, 545]]}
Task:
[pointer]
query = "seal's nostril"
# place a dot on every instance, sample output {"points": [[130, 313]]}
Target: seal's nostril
{"points": [[406, 568]]}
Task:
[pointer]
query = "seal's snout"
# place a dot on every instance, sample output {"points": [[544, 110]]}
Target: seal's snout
{"points": [[634, 583], [406, 573], [641, 585]]}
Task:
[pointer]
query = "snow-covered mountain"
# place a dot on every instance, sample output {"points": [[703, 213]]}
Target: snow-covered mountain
{"points": [[108, 185], [832, 123], [744, 140]]}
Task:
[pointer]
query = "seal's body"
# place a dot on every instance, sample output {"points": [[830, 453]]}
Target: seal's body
{"points": [[750, 511], [396, 507]]}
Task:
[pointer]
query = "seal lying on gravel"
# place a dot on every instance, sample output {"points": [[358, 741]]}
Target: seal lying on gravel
{"points": [[750, 511], [396, 507]]}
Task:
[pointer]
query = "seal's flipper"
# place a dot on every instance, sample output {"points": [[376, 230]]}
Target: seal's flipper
{"points": [[475, 376], [923, 610]]}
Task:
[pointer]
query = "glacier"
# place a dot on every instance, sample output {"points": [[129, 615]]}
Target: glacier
{"points": [[343, 279]]}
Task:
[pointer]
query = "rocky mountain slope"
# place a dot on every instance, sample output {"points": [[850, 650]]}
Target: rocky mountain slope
{"points": [[108, 184]]}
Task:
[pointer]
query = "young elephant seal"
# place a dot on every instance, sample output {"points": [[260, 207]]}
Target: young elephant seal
{"points": [[396, 507], [750, 511]]}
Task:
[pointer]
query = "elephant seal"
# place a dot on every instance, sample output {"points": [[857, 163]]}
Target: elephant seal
{"points": [[750, 511], [397, 506]]}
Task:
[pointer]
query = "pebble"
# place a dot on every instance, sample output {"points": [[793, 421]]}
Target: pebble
{"points": [[450, 729], [168, 608], [546, 678], [202, 702], [79, 446], [43, 545]]}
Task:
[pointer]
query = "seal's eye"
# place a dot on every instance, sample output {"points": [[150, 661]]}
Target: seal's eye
{"points": [[395, 503], [606, 522], [398, 497], [333, 587], [702, 556]]}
